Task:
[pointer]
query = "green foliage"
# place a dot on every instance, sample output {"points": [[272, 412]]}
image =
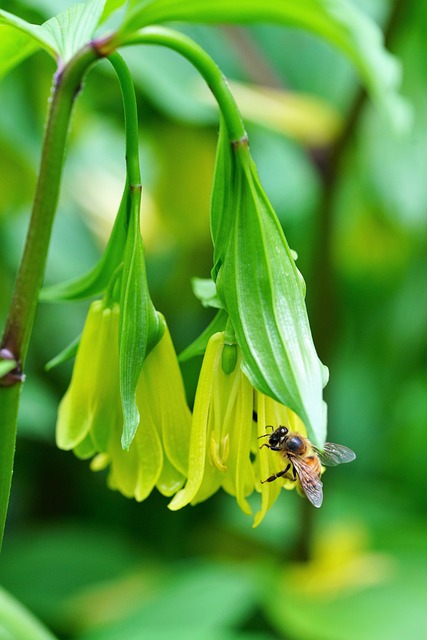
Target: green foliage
{"points": [[70, 30], [140, 325], [17, 622], [90, 564], [15, 46], [96, 280], [61, 36], [338, 22], [198, 347], [26, 34], [263, 292]]}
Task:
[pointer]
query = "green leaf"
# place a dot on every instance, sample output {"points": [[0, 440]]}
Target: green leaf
{"points": [[337, 21], [263, 293], [221, 198], [110, 7], [205, 290], [66, 354], [198, 347], [18, 622], [15, 46], [61, 36], [140, 325], [70, 30], [69, 559], [374, 596], [27, 34], [203, 601], [97, 279]]}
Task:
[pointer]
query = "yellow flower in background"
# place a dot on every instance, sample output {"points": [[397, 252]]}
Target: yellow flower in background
{"points": [[224, 445], [90, 420]]}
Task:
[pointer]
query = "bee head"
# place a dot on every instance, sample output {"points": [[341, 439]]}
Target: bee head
{"points": [[278, 436]]}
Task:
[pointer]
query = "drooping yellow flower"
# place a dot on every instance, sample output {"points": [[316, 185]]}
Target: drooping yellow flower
{"points": [[224, 444], [90, 420]]}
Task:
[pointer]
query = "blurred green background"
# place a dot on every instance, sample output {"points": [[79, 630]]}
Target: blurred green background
{"points": [[352, 198]]}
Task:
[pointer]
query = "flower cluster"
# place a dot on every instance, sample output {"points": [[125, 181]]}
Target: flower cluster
{"points": [[125, 408], [90, 418], [229, 417], [222, 450]]}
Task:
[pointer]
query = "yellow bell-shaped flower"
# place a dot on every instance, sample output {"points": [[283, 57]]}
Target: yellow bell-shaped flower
{"points": [[90, 420], [224, 447]]}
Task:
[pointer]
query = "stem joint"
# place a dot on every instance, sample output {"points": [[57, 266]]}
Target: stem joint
{"points": [[15, 375]]}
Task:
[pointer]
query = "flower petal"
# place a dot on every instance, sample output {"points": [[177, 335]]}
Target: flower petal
{"points": [[269, 461], [75, 410], [150, 458], [165, 393], [170, 480], [198, 439]]}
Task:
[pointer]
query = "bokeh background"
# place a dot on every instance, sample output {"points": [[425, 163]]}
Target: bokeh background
{"points": [[351, 195]]}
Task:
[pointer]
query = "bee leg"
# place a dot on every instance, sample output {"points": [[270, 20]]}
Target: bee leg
{"points": [[277, 475], [269, 446]]}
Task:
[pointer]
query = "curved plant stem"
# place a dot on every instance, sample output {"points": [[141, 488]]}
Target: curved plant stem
{"points": [[23, 306], [133, 172], [201, 61]]}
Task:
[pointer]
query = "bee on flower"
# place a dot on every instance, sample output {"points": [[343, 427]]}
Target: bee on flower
{"points": [[303, 461], [224, 443]]}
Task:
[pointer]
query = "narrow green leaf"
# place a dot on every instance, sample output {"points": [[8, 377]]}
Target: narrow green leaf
{"points": [[66, 354], [97, 279], [140, 325], [221, 197], [110, 7], [198, 347], [70, 30], [337, 21], [19, 622]]}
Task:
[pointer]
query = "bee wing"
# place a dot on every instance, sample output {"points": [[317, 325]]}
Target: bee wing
{"points": [[310, 483], [334, 454]]}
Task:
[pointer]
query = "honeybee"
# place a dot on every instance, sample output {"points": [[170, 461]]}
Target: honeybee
{"points": [[305, 460]]}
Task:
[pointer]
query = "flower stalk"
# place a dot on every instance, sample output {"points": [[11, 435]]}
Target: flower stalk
{"points": [[199, 58]]}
